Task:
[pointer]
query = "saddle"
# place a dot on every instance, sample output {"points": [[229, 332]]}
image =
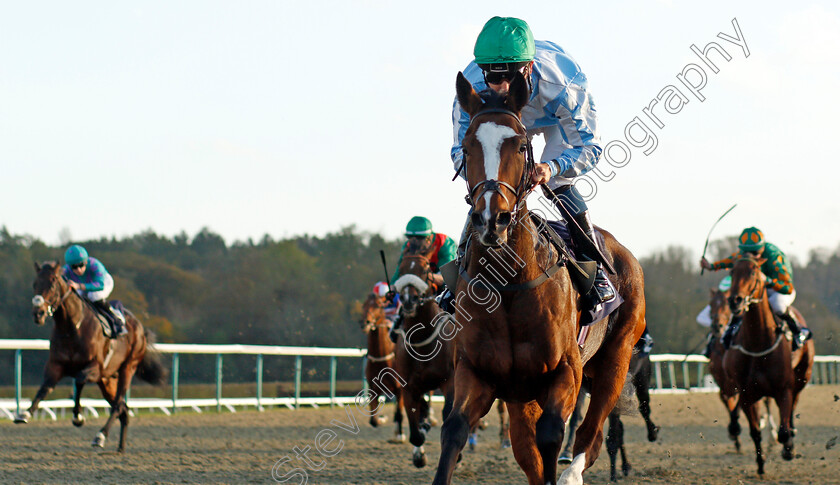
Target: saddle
{"points": [[106, 319]]}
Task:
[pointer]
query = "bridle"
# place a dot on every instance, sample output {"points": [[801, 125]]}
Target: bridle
{"points": [[39, 300], [368, 327], [743, 306], [425, 296], [521, 191]]}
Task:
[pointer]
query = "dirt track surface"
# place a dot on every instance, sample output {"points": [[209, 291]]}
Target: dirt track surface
{"points": [[243, 447]]}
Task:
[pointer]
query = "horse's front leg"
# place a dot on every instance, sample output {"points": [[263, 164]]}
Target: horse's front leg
{"points": [[473, 398], [52, 374], [753, 412], [558, 403], [785, 403], [399, 436], [608, 376], [734, 428], [88, 374], [415, 409], [574, 421]]}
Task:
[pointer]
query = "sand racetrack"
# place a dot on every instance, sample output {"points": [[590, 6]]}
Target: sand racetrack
{"points": [[243, 447]]}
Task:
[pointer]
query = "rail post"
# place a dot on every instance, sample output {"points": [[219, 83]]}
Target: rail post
{"points": [[18, 373], [333, 367], [175, 371], [298, 368], [218, 383], [658, 369], [259, 381]]}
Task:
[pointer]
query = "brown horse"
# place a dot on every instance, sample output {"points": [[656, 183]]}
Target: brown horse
{"points": [[520, 343], [380, 356], [424, 358], [760, 361], [78, 349], [721, 315]]}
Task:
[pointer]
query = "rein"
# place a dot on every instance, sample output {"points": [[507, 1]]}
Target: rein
{"points": [[750, 298], [758, 354], [39, 300]]}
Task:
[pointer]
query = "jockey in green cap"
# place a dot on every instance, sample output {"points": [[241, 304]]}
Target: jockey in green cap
{"points": [[421, 239], [779, 273], [560, 108]]}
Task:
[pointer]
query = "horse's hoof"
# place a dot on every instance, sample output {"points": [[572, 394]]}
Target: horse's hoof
{"points": [[483, 424], [433, 421], [574, 474], [23, 417], [397, 439], [653, 434], [625, 469], [99, 441], [506, 445], [787, 453], [419, 459], [79, 420], [565, 457]]}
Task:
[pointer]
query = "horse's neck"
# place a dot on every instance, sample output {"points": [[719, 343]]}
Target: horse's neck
{"points": [[379, 344], [759, 324], [425, 316], [519, 255], [69, 316]]}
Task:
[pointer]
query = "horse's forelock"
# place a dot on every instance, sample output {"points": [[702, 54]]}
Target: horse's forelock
{"points": [[411, 280]]}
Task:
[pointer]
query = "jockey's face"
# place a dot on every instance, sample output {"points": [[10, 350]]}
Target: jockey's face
{"points": [[79, 269], [419, 243], [503, 86]]}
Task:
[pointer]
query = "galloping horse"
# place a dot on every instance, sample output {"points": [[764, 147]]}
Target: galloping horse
{"points": [[78, 349], [721, 314], [760, 361], [424, 359], [520, 343], [380, 356]]}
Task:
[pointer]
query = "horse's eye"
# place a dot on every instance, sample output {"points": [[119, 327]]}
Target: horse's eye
{"points": [[522, 148]]}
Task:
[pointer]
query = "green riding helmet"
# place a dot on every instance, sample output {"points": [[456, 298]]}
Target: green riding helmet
{"points": [[418, 226], [751, 239], [504, 40], [725, 283], [75, 254]]}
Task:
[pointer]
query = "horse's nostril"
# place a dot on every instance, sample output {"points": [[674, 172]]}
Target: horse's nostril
{"points": [[477, 219], [503, 219]]}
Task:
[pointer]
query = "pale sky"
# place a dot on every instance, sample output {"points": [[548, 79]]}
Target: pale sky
{"points": [[285, 118]]}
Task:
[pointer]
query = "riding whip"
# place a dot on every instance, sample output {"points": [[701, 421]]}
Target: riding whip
{"points": [[705, 246], [385, 266]]}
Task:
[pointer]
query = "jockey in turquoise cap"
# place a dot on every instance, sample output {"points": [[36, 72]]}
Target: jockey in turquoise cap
{"points": [[561, 108], [779, 273], [88, 276], [421, 239]]}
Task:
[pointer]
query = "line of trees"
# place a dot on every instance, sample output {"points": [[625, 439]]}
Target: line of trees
{"points": [[305, 291]]}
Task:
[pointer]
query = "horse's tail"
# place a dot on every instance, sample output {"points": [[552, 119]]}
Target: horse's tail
{"points": [[151, 368], [628, 404]]}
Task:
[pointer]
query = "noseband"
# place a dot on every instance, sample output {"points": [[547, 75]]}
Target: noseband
{"points": [[491, 185]]}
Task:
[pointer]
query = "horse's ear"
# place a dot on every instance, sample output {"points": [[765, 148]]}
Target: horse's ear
{"points": [[712, 292], [761, 261], [37, 267], [57, 269], [469, 100], [518, 93]]}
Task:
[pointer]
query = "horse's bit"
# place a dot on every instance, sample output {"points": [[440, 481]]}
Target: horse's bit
{"points": [[39, 300]]}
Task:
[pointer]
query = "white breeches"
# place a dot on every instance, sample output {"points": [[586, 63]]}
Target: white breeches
{"points": [[780, 302], [104, 292], [705, 317]]}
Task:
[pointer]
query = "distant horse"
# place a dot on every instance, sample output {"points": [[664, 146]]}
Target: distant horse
{"points": [[519, 342], [380, 356], [78, 349], [760, 361], [424, 359], [640, 372], [721, 315]]}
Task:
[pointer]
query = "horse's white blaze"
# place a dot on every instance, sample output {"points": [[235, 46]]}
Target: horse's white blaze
{"points": [[574, 474], [491, 136]]}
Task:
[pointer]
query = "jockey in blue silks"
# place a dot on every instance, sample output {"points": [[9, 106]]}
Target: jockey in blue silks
{"points": [[561, 108]]}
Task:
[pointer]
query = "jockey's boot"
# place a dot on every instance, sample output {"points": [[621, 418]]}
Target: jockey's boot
{"points": [[800, 333], [603, 290], [118, 327], [710, 342], [392, 334], [731, 330]]}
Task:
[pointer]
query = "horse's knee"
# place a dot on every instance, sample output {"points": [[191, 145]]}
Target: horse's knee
{"points": [[550, 431], [455, 429]]}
